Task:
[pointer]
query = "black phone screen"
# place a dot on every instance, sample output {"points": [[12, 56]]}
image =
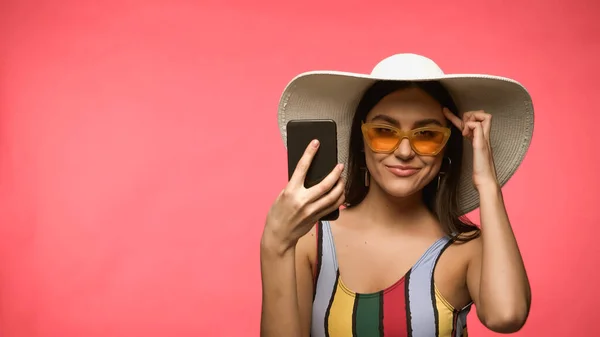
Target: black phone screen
{"points": [[299, 135]]}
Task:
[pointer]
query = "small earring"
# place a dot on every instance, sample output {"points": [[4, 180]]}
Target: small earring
{"points": [[366, 177], [443, 173]]}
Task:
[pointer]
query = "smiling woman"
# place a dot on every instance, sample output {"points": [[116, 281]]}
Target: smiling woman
{"points": [[401, 260]]}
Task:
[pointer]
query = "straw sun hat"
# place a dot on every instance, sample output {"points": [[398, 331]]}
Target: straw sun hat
{"points": [[335, 95]]}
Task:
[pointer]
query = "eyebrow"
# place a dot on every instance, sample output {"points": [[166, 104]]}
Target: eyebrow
{"points": [[386, 118], [417, 124], [425, 122]]}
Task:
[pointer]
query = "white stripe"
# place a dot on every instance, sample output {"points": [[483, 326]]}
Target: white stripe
{"points": [[325, 283]]}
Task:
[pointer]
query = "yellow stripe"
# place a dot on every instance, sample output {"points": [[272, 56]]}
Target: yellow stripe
{"points": [[445, 314], [340, 314]]}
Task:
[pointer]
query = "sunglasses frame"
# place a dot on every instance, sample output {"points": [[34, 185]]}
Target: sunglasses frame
{"points": [[405, 134]]}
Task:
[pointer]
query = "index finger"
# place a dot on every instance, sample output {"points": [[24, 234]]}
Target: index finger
{"points": [[453, 118], [301, 169]]}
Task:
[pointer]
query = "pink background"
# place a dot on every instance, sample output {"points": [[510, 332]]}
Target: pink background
{"points": [[140, 152]]}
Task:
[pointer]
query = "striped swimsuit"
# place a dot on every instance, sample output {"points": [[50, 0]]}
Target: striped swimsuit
{"points": [[412, 307]]}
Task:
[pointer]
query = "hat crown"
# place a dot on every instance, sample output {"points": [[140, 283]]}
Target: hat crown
{"points": [[407, 66]]}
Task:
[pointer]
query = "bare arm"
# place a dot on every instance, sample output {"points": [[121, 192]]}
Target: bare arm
{"points": [[287, 288], [306, 252], [496, 275], [285, 266], [280, 314]]}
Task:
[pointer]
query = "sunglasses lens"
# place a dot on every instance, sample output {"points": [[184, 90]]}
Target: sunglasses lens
{"points": [[385, 139], [381, 138], [428, 141]]}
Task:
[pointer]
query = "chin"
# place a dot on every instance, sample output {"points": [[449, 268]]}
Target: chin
{"points": [[401, 188]]}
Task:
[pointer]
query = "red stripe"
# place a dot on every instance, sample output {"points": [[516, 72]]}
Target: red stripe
{"points": [[394, 311]]}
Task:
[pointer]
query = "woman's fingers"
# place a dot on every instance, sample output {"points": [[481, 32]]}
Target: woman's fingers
{"points": [[330, 201], [453, 118], [476, 133], [482, 117], [333, 207], [317, 191], [478, 116], [486, 121], [297, 179]]}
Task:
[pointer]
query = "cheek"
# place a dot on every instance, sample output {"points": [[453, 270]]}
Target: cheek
{"points": [[373, 159], [432, 165]]}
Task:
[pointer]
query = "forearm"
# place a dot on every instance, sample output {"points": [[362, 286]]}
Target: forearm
{"points": [[504, 291], [280, 313]]}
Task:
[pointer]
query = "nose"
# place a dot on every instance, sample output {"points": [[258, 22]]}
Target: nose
{"points": [[404, 151]]}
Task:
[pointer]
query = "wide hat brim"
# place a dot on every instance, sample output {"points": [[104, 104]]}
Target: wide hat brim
{"points": [[335, 95]]}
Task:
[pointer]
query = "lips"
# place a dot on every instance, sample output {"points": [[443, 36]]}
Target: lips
{"points": [[402, 171]]}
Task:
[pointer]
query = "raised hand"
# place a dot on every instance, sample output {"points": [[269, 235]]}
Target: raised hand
{"points": [[297, 208], [476, 126]]}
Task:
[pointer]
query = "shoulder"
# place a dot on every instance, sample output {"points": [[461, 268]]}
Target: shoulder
{"points": [[461, 249], [469, 244], [459, 254]]}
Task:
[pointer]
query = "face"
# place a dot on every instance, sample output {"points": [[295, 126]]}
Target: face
{"points": [[400, 169]]}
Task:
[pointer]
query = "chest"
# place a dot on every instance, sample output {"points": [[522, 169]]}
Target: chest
{"points": [[369, 264]]}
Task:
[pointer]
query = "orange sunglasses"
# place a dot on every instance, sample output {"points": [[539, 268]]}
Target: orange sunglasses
{"points": [[425, 141]]}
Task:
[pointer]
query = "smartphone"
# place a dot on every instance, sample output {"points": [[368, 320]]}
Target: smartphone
{"points": [[299, 135]]}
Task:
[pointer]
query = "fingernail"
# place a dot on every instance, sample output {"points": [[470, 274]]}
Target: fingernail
{"points": [[315, 143], [340, 166]]}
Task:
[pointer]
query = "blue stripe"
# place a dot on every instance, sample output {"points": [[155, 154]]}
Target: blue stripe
{"points": [[423, 315], [326, 283]]}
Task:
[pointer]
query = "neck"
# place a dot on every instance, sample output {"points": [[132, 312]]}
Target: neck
{"points": [[384, 210]]}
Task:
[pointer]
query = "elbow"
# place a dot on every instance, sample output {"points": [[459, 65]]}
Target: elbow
{"points": [[506, 322], [506, 325]]}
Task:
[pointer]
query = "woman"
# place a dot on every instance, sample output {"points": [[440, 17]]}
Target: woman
{"points": [[401, 259]]}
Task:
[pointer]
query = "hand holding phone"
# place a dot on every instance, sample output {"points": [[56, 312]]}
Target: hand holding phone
{"points": [[304, 200], [299, 135]]}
